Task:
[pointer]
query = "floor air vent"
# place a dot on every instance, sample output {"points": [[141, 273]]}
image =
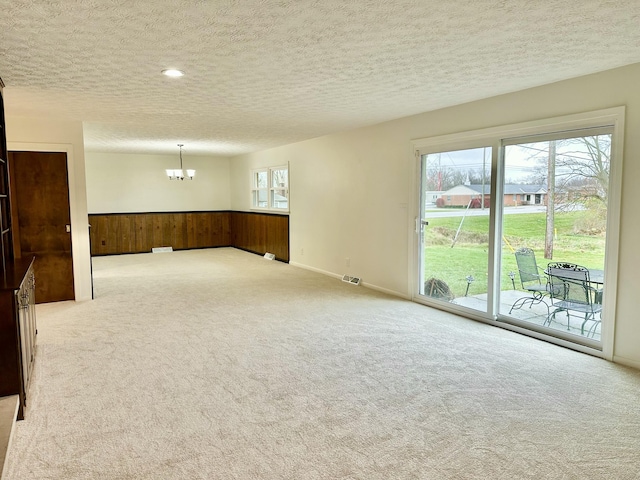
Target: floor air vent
{"points": [[351, 280]]}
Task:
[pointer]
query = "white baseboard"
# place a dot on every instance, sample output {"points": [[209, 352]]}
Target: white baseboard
{"points": [[317, 270], [386, 290], [626, 361], [339, 276]]}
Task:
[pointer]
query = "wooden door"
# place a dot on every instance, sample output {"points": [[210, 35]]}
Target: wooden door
{"points": [[42, 220]]}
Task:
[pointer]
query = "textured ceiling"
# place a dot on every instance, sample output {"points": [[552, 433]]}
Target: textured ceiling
{"points": [[262, 73]]}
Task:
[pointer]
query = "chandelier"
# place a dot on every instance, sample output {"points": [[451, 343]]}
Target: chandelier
{"points": [[178, 174]]}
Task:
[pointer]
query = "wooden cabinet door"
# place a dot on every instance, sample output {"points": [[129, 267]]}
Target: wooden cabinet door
{"points": [[42, 220]]}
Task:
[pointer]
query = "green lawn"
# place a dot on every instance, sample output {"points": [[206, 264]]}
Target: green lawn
{"points": [[469, 256]]}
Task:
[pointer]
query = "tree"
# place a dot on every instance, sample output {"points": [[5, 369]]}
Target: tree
{"points": [[551, 195], [441, 178], [575, 172], [583, 171]]}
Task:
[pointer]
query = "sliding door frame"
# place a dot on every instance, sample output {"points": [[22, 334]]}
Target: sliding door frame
{"points": [[495, 137]]}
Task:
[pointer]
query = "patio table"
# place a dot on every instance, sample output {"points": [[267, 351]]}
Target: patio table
{"points": [[596, 277]]}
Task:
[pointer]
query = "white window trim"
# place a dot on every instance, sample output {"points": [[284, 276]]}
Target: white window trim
{"points": [[494, 136], [270, 189], [255, 188]]}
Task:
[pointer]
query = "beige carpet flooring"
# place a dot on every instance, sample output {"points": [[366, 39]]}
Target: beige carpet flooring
{"points": [[218, 364]]}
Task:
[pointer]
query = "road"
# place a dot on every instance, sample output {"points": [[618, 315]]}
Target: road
{"points": [[475, 212]]}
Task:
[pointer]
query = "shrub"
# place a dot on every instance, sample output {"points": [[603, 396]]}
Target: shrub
{"points": [[436, 288]]}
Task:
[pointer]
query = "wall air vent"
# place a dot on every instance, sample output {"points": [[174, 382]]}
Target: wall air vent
{"points": [[351, 280], [161, 249]]}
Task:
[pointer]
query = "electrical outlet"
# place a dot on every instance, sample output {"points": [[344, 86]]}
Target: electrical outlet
{"points": [[347, 262], [301, 251]]}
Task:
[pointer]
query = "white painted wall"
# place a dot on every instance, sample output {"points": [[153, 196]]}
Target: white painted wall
{"points": [[48, 135], [351, 192], [128, 183]]}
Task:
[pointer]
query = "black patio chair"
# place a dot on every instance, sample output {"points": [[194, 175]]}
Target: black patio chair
{"points": [[532, 279], [572, 291]]}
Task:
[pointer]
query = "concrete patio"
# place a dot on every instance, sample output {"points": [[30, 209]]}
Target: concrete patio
{"points": [[536, 313]]}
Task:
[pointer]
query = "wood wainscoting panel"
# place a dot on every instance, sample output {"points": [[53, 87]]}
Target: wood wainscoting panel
{"points": [[261, 233], [127, 233], [159, 232], [178, 231], [118, 233], [204, 230]]}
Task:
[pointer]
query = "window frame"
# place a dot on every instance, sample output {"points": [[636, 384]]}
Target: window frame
{"points": [[270, 190], [256, 189]]}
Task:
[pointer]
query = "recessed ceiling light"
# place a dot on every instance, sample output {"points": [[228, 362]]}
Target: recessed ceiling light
{"points": [[172, 72]]}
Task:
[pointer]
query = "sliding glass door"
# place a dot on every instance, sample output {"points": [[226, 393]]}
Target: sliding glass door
{"points": [[454, 227], [515, 229], [554, 212]]}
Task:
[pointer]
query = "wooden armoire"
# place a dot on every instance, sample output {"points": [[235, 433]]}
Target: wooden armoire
{"points": [[17, 298]]}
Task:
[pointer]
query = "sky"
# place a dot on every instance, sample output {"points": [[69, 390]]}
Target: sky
{"points": [[521, 160]]}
